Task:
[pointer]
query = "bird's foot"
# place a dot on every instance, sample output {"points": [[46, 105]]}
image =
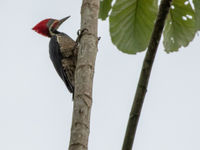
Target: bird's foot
{"points": [[80, 33]]}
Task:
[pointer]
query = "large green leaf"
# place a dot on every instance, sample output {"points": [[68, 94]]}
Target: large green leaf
{"points": [[197, 12], [180, 28], [105, 6], [131, 24]]}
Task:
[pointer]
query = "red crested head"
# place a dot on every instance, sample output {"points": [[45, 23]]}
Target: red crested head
{"points": [[48, 26], [42, 27]]}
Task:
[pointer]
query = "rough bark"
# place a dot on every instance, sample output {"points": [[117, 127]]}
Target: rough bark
{"points": [[145, 74], [84, 76]]}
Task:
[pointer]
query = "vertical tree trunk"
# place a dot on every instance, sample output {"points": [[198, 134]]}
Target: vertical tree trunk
{"points": [[84, 76], [145, 74]]}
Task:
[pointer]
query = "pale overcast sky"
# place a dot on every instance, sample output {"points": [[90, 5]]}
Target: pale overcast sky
{"points": [[36, 108]]}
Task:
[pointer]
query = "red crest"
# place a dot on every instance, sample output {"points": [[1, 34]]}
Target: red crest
{"points": [[42, 28]]}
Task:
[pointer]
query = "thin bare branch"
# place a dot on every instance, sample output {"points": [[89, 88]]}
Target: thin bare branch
{"points": [[145, 74]]}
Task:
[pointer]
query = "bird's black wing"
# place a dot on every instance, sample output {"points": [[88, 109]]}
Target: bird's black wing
{"points": [[56, 57]]}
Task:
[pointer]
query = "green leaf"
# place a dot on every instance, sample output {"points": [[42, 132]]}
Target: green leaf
{"points": [[197, 13], [131, 24], [105, 6], [180, 28]]}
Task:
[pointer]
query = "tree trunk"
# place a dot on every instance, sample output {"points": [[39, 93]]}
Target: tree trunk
{"points": [[84, 76], [145, 74]]}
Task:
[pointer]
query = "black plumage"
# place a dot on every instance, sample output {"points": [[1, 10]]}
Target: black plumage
{"points": [[62, 53]]}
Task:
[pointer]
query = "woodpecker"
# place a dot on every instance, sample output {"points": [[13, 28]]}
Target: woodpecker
{"points": [[62, 49]]}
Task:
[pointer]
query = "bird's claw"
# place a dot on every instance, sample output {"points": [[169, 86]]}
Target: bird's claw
{"points": [[80, 34], [80, 31]]}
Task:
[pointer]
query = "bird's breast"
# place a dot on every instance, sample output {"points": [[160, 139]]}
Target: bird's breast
{"points": [[67, 45]]}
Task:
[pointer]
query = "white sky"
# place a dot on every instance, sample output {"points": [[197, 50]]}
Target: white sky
{"points": [[35, 106]]}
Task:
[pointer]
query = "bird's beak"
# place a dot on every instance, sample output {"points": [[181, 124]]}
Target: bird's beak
{"points": [[61, 21]]}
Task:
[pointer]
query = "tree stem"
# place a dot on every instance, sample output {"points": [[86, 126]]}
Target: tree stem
{"points": [[84, 76], [145, 74]]}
